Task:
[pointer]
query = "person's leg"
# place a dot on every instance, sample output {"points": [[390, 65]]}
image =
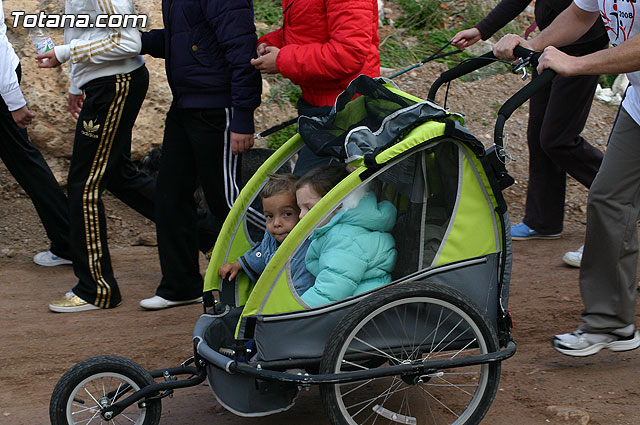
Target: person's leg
{"points": [[208, 230], [25, 162], [133, 187], [560, 134], [137, 189], [544, 207], [221, 182], [176, 212], [103, 134], [608, 272], [556, 148]]}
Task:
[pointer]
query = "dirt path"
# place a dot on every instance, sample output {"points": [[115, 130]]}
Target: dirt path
{"points": [[38, 346]]}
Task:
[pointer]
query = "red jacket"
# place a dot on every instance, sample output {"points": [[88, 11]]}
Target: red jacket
{"points": [[325, 44]]}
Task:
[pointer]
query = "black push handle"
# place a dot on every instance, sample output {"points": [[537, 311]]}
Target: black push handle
{"points": [[476, 63], [464, 68], [526, 56], [524, 94]]}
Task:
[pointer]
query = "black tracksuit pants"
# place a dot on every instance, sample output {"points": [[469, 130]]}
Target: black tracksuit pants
{"points": [[196, 148], [557, 116], [32, 173], [102, 160]]}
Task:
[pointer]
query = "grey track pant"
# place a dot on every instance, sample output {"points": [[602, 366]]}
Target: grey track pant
{"points": [[609, 262]]}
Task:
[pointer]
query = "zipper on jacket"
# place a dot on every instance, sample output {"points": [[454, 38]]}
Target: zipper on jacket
{"points": [[284, 19]]}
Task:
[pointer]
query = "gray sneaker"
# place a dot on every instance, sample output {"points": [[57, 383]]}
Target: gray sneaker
{"points": [[573, 258], [580, 344]]}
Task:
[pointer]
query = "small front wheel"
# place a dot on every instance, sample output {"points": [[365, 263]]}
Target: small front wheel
{"points": [[99, 382]]}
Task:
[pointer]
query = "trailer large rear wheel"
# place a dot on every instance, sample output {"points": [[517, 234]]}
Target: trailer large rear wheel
{"points": [[404, 324]]}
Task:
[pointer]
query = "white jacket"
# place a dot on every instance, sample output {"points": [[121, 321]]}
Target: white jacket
{"points": [[9, 86], [99, 52]]}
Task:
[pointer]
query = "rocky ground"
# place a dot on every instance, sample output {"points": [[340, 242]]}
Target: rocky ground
{"points": [[538, 386]]}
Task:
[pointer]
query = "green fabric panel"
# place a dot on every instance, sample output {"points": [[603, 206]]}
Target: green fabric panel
{"points": [[492, 197], [276, 287], [233, 224], [353, 112], [418, 135], [403, 94], [357, 163], [472, 233], [417, 99]]}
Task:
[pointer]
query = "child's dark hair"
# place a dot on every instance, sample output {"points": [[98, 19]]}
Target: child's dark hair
{"points": [[279, 183], [322, 179]]}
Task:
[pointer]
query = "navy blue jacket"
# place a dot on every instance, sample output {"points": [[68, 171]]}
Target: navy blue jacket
{"points": [[207, 46]]}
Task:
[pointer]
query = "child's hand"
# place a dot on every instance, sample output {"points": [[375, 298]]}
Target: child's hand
{"points": [[262, 49], [229, 270], [75, 102], [23, 116], [266, 63], [47, 59], [466, 38]]}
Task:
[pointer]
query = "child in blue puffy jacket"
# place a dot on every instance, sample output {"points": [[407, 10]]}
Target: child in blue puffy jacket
{"points": [[353, 252], [282, 214]]}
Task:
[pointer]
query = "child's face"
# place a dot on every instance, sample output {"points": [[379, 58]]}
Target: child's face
{"points": [[306, 198], [281, 213]]}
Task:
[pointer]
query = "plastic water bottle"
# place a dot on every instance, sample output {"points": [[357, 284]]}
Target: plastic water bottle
{"points": [[40, 38]]}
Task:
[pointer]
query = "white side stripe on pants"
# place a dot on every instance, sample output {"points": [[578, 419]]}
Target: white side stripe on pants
{"points": [[231, 174]]}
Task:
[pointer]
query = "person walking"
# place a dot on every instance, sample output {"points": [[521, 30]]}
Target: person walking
{"points": [[557, 116], [207, 47], [25, 162], [108, 82], [322, 47], [609, 263]]}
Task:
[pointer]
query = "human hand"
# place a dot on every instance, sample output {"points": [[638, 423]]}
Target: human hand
{"points": [[75, 102], [229, 270], [262, 49], [241, 142], [23, 116], [47, 59], [560, 62], [466, 38], [266, 63], [503, 49]]}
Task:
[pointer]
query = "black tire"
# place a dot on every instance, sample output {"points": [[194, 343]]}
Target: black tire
{"points": [[82, 392], [410, 323]]}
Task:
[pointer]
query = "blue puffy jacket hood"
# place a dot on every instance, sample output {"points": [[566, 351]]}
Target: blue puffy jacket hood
{"points": [[363, 210]]}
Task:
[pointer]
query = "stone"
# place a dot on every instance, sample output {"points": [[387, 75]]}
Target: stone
{"points": [[147, 239], [569, 414]]}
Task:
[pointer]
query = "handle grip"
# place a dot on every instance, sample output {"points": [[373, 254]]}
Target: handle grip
{"points": [[463, 69], [476, 63], [515, 101]]}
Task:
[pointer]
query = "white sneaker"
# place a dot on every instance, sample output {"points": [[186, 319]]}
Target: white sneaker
{"points": [[573, 258], [49, 259], [580, 344], [158, 303]]}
